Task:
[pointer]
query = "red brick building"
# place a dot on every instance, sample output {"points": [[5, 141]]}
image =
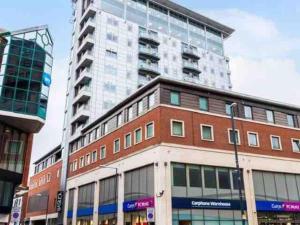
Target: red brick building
{"points": [[171, 145]]}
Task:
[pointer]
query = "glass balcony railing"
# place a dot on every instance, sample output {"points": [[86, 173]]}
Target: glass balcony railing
{"points": [[190, 65], [190, 51], [149, 51], [149, 66], [153, 37]]}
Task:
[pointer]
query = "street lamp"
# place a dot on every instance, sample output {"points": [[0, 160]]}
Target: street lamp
{"points": [[41, 195], [237, 162], [116, 187]]}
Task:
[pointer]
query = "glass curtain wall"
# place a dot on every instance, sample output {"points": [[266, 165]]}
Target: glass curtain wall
{"points": [[25, 72]]}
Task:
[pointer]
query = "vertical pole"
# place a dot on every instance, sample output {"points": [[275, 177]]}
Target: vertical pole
{"points": [[237, 163]]}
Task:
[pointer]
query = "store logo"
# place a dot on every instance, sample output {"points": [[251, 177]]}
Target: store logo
{"points": [[138, 204], [47, 79]]}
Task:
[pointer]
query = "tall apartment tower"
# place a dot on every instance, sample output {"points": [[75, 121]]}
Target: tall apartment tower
{"points": [[119, 45]]}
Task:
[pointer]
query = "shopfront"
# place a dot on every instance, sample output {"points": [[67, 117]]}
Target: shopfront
{"points": [[191, 211], [135, 212], [277, 198], [85, 204], [278, 213]]}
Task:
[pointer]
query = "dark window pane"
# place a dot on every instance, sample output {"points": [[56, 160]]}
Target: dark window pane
{"points": [[224, 178], [195, 176], [210, 177], [179, 175]]}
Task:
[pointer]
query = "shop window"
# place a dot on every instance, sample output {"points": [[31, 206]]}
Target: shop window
{"points": [[86, 196], [117, 145], [207, 132], [276, 142], [210, 177], [149, 130], [224, 178], [179, 175], [175, 98], [108, 190], [195, 177], [177, 128]]}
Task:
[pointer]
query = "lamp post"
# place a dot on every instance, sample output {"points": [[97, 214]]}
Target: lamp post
{"points": [[116, 187], [41, 195], [237, 162]]}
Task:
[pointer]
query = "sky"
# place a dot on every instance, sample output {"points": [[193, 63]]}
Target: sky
{"points": [[264, 50]]}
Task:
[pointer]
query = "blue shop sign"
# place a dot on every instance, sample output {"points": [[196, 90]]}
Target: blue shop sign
{"points": [[107, 209], [84, 212], [275, 206], [198, 203], [47, 79]]}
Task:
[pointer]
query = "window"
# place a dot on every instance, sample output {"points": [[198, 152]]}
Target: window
{"points": [[129, 113], [74, 166], [104, 128], [81, 164], [94, 156], [270, 116], [140, 107], [177, 128], [117, 145], [203, 103], [137, 136], [119, 119], [151, 100], [195, 176], [231, 136], [248, 112], [179, 175], [210, 177], [175, 98], [296, 145], [111, 37], [149, 130], [253, 139], [275, 142], [111, 54], [87, 159], [228, 108], [48, 177], [207, 133], [290, 120], [224, 178], [127, 140], [103, 152]]}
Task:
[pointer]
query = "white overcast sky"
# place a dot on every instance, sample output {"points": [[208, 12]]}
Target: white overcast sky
{"points": [[263, 63]]}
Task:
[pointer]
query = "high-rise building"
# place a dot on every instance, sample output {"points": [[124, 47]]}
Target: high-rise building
{"points": [[118, 46], [25, 78], [172, 147]]}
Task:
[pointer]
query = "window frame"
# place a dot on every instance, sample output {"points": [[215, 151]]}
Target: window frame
{"points": [[292, 141], [273, 116], [138, 107], [280, 144], [134, 136], [183, 128], [147, 138], [74, 163], [87, 159], [179, 98], [125, 135], [257, 139], [212, 132], [251, 108], [207, 102], [92, 158], [114, 147], [149, 98], [81, 159], [238, 135], [102, 147], [293, 120]]}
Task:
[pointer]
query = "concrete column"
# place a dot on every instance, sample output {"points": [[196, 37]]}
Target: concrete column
{"points": [[120, 214], [96, 203], [250, 197], [75, 206], [66, 206], [163, 208]]}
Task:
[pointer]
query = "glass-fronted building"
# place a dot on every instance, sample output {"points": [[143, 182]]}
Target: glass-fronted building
{"points": [[25, 79]]}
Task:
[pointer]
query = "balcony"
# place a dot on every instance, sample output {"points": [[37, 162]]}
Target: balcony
{"points": [[81, 115], [85, 60], [191, 78], [150, 69], [87, 43], [148, 52], [83, 95], [190, 67], [84, 77], [190, 52], [89, 12], [148, 37], [87, 28]]}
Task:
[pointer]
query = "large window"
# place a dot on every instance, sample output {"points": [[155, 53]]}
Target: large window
{"points": [[276, 186], [210, 177], [71, 199], [115, 7], [137, 12], [139, 183], [195, 176], [108, 191], [86, 196], [179, 175]]}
